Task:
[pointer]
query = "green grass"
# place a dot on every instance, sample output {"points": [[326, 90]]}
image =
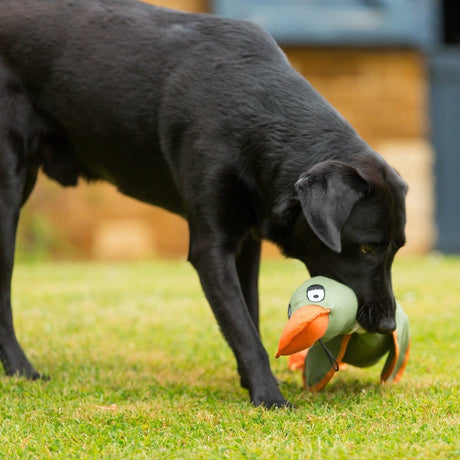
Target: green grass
{"points": [[139, 370]]}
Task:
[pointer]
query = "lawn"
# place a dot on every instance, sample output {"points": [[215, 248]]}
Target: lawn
{"points": [[139, 370]]}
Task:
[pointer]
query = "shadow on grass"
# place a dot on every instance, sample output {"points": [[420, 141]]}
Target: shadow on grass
{"points": [[339, 393]]}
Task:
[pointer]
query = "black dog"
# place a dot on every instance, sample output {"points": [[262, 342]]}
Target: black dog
{"points": [[205, 117]]}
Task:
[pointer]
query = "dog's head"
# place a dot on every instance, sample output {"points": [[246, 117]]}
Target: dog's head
{"points": [[354, 223]]}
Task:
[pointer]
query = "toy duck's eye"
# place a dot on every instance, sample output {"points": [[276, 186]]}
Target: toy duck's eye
{"points": [[367, 249], [289, 311], [316, 293]]}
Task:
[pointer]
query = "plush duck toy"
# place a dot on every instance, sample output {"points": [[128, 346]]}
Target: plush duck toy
{"points": [[322, 333]]}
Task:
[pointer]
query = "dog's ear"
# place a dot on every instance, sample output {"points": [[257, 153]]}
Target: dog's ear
{"points": [[327, 194]]}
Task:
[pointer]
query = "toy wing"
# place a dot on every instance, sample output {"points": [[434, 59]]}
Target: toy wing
{"points": [[361, 350]]}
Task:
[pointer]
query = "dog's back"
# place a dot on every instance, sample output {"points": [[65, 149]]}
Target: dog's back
{"points": [[122, 50]]}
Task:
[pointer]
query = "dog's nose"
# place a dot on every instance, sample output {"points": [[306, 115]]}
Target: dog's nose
{"points": [[387, 326]]}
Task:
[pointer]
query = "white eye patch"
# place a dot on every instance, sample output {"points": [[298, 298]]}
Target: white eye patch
{"points": [[316, 293]]}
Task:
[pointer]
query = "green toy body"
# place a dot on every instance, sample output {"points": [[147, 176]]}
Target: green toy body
{"points": [[345, 339]]}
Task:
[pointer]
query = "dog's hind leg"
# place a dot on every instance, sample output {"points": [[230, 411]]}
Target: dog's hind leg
{"points": [[247, 264], [17, 178]]}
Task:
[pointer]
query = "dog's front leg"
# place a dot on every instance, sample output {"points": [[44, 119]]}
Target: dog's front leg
{"points": [[217, 270]]}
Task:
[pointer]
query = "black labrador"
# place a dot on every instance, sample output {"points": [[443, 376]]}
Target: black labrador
{"points": [[205, 117]]}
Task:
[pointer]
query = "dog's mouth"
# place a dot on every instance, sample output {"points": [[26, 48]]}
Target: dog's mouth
{"points": [[374, 319]]}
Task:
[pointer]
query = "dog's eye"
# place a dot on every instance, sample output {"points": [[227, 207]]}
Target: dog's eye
{"points": [[367, 248]]}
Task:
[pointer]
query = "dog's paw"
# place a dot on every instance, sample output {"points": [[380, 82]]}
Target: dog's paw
{"points": [[272, 399], [26, 371], [274, 404]]}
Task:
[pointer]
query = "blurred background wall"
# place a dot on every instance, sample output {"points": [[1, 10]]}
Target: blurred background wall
{"points": [[379, 62]]}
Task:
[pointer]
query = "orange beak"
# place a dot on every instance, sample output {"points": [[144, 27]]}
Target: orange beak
{"points": [[304, 328]]}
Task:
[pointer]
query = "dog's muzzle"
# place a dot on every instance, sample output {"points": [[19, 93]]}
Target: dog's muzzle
{"points": [[376, 318]]}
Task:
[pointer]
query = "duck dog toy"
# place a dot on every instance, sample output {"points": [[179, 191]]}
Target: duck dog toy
{"points": [[322, 333]]}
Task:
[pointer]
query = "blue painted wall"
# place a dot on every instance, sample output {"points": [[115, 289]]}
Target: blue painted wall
{"points": [[445, 133], [414, 23]]}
